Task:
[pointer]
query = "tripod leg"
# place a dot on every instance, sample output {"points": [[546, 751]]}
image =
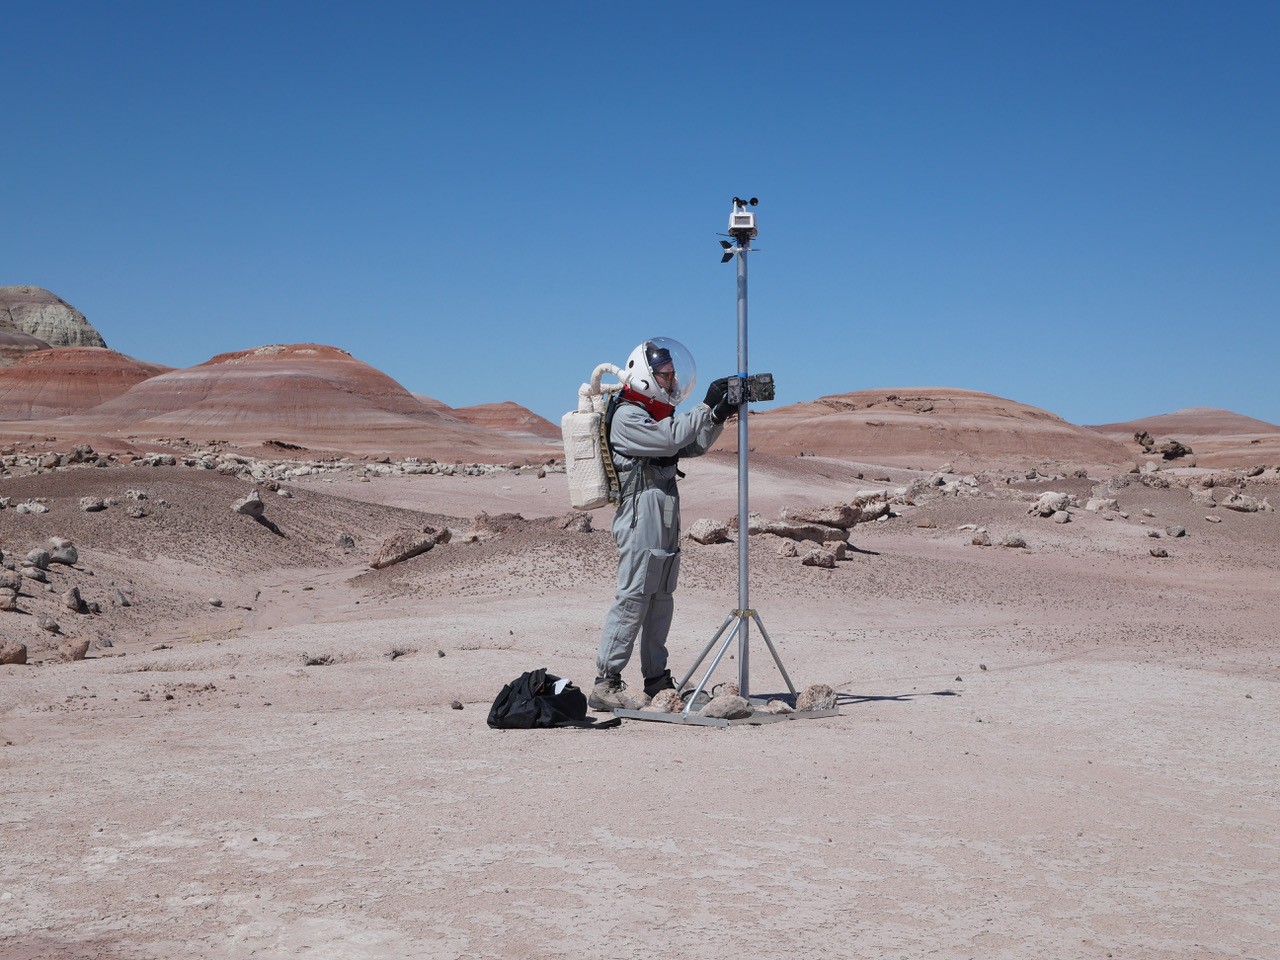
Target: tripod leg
{"points": [[705, 650], [693, 697], [776, 659]]}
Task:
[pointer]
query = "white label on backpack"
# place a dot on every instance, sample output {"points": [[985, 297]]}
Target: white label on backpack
{"points": [[560, 685]]}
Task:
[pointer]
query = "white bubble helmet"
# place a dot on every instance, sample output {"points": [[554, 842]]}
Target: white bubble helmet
{"points": [[661, 369]]}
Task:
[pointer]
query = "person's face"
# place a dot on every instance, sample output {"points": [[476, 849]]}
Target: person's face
{"points": [[666, 376]]}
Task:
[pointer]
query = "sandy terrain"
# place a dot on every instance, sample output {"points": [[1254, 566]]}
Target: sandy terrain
{"points": [[1063, 751]]}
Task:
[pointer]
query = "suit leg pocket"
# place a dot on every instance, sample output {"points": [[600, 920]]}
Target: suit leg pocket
{"points": [[662, 572]]}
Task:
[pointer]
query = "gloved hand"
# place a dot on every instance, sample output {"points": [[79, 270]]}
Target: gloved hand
{"points": [[722, 411], [718, 390]]}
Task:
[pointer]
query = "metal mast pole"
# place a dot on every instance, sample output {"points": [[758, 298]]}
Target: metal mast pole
{"points": [[744, 591]]}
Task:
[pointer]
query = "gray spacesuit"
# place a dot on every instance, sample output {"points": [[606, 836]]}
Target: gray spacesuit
{"points": [[647, 438]]}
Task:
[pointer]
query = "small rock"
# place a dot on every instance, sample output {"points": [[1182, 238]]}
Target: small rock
{"points": [[1213, 519], [8, 601], [1159, 552], [38, 558], [12, 652], [924, 523], [35, 573], [215, 602], [1014, 540], [1175, 532], [788, 549], [65, 553], [439, 653], [120, 600], [346, 541], [1146, 512], [92, 504], [48, 624], [456, 705], [982, 539], [71, 600], [1061, 516]]}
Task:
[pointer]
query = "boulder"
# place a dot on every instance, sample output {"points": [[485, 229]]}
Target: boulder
{"points": [[796, 531], [1013, 540], [666, 701], [12, 652], [64, 552], [577, 522], [8, 601], [250, 506], [816, 696], [1240, 503], [708, 531], [73, 650], [72, 601], [727, 707], [1102, 504], [92, 504], [1061, 516], [842, 515], [403, 546], [1050, 503], [819, 558], [38, 558]]}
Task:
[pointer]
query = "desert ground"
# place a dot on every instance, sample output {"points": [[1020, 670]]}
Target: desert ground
{"points": [[1069, 749]]}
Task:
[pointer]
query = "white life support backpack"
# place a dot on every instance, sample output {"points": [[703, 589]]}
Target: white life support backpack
{"points": [[588, 462]]}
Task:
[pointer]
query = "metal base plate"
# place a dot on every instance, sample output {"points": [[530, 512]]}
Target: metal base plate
{"points": [[697, 720]]}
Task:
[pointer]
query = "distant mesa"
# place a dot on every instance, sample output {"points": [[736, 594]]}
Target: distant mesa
{"points": [[909, 426], [38, 313], [508, 417], [1196, 422], [49, 383], [1219, 438], [308, 394]]}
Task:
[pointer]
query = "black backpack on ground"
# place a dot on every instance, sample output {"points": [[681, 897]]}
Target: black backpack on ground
{"points": [[531, 700]]}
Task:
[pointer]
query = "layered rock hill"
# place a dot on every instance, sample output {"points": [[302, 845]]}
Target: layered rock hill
{"points": [[508, 417], [314, 396], [14, 346], [926, 426], [38, 313], [1217, 438], [53, 383]]}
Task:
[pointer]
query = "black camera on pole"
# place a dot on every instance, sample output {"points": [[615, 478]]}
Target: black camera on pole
{"points": [[759, 386]]}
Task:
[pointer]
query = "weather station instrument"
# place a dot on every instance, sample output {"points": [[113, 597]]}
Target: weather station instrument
{"points": [[744, 388]]}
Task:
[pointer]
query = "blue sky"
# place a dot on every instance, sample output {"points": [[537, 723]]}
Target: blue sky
{"points": [[1076, 206]]}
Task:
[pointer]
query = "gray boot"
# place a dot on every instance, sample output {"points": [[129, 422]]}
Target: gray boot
{"points": [[610, 694]]}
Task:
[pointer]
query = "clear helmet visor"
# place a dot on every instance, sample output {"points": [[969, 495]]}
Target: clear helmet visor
{"points": [[663, 369]]}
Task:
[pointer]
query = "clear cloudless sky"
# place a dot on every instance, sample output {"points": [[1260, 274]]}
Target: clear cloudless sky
{"points": [[1072, 205]]}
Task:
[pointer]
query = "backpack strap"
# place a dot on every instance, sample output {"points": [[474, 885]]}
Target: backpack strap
{"points": [[606, 448], [591, 724]]}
